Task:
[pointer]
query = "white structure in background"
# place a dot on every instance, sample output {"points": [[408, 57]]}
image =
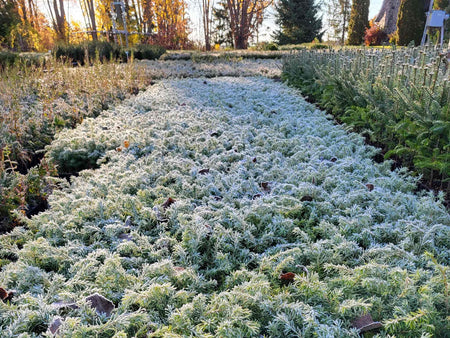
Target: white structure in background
{"points": [[118, 15], [435, 19]]}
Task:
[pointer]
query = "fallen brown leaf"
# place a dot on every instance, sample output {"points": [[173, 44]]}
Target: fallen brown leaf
{"points": [[287, 277], [168, 203], [265, 186], [100, 304]]}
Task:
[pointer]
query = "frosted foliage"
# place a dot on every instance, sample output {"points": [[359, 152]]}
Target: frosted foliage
{"points": [[209, 264], [222, 67]]}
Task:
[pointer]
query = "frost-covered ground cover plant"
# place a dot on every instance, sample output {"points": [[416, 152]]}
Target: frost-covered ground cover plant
{"points": [[212, 68], [35, 102], [227, 207], [223, 55]]}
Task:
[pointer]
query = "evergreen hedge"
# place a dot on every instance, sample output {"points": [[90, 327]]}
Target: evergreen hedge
{"points": [[148, 52], [410, 22], [7, 59], [358, 22], [104, 50]]}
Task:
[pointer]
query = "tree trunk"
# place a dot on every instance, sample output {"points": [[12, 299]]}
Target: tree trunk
{"points": [[240, 42], [58, 16], [91, 10], [61, 20], [32, 9], [147, 15], [239, 22], [387, 17], [24, 10], [206, 10], [137, 15], [345, 13]]}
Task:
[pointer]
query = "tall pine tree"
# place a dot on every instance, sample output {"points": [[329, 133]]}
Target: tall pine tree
{"points": [[299, 21], [411, 21], [359, 21]]}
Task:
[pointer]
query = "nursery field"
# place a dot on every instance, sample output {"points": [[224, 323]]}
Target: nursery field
{"points": [[35, 103], [223, 206], [399, 99], [38, 101]]}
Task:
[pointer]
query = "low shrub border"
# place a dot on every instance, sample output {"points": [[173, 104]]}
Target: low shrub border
{"points": [[398, 99], [104, 51]]}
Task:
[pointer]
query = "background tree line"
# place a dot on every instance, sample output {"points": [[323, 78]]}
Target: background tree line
{"points": [[347, 21], [399, 21], [24, 27]]}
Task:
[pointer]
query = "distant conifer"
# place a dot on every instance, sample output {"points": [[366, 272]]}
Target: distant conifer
{"points": [[299, 21], [411, 22], [359, 21]]}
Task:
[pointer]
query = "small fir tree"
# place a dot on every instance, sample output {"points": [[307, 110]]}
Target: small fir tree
{"points": [[411, 22], [221, 33], [299, 21], [359, 19]]}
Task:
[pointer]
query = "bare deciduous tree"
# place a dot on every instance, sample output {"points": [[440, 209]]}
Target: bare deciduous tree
{"points": [[88, 9], [58, 17], [245, 15], [338, 17], [206, 6]]}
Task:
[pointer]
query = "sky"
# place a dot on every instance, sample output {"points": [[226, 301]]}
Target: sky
{"points": [[375, 6], [73, 12]]}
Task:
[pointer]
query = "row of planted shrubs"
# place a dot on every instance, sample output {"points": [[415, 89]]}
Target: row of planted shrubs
{"points": [[271, 46], [398, 99], [103, 50], [8, 59]]}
